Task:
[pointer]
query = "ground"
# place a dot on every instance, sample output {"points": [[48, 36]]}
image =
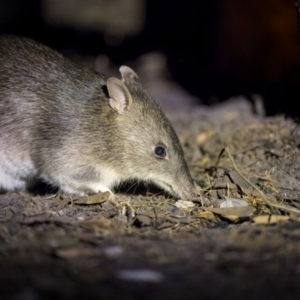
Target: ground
{"points": [[148, 246]]}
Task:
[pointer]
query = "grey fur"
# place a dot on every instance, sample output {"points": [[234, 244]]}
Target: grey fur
{"points": [[58, 123]]}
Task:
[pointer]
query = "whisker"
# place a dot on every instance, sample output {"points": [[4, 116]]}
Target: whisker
{"points": [[132, 185], [136, 185]]}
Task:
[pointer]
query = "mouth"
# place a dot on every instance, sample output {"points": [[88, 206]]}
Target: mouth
{"points": [[169, 189], [181, 193]]}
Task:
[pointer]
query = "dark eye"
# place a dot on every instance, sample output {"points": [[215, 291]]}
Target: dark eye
{"points": [[160, 151]]}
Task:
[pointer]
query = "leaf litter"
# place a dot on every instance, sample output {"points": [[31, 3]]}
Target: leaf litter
{"points": [[245, 222]]}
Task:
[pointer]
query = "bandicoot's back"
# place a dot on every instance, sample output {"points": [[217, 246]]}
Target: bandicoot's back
{"points": [[79, 130]]}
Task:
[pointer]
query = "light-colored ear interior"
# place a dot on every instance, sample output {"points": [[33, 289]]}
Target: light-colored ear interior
{"points": [[119, 96], [128, 75]]}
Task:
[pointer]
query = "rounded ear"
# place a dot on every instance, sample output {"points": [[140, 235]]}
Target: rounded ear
{"points": [[119, 96], [128, 75]]}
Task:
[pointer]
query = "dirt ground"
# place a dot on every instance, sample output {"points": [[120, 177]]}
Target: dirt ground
{"points": [[148, 246]]}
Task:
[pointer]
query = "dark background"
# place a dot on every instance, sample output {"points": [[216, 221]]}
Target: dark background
{"points": [[215, 49]]}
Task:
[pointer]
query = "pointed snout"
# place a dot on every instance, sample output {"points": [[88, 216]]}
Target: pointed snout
{"points": [[185, 191]]}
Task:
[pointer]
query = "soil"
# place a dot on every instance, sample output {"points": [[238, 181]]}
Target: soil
{"points": [[146, 245]]}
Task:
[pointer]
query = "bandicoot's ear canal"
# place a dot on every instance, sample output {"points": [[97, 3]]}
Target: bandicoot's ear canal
{"points": [[128, 75], [119, 96]]}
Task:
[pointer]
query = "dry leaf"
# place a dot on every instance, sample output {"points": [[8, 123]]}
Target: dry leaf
{"points": [[61, 203], [232, 202], [270, 219], [95, 199], [184, 204], [205, 215], [204, 136], [233, 214], [144, 220]]}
